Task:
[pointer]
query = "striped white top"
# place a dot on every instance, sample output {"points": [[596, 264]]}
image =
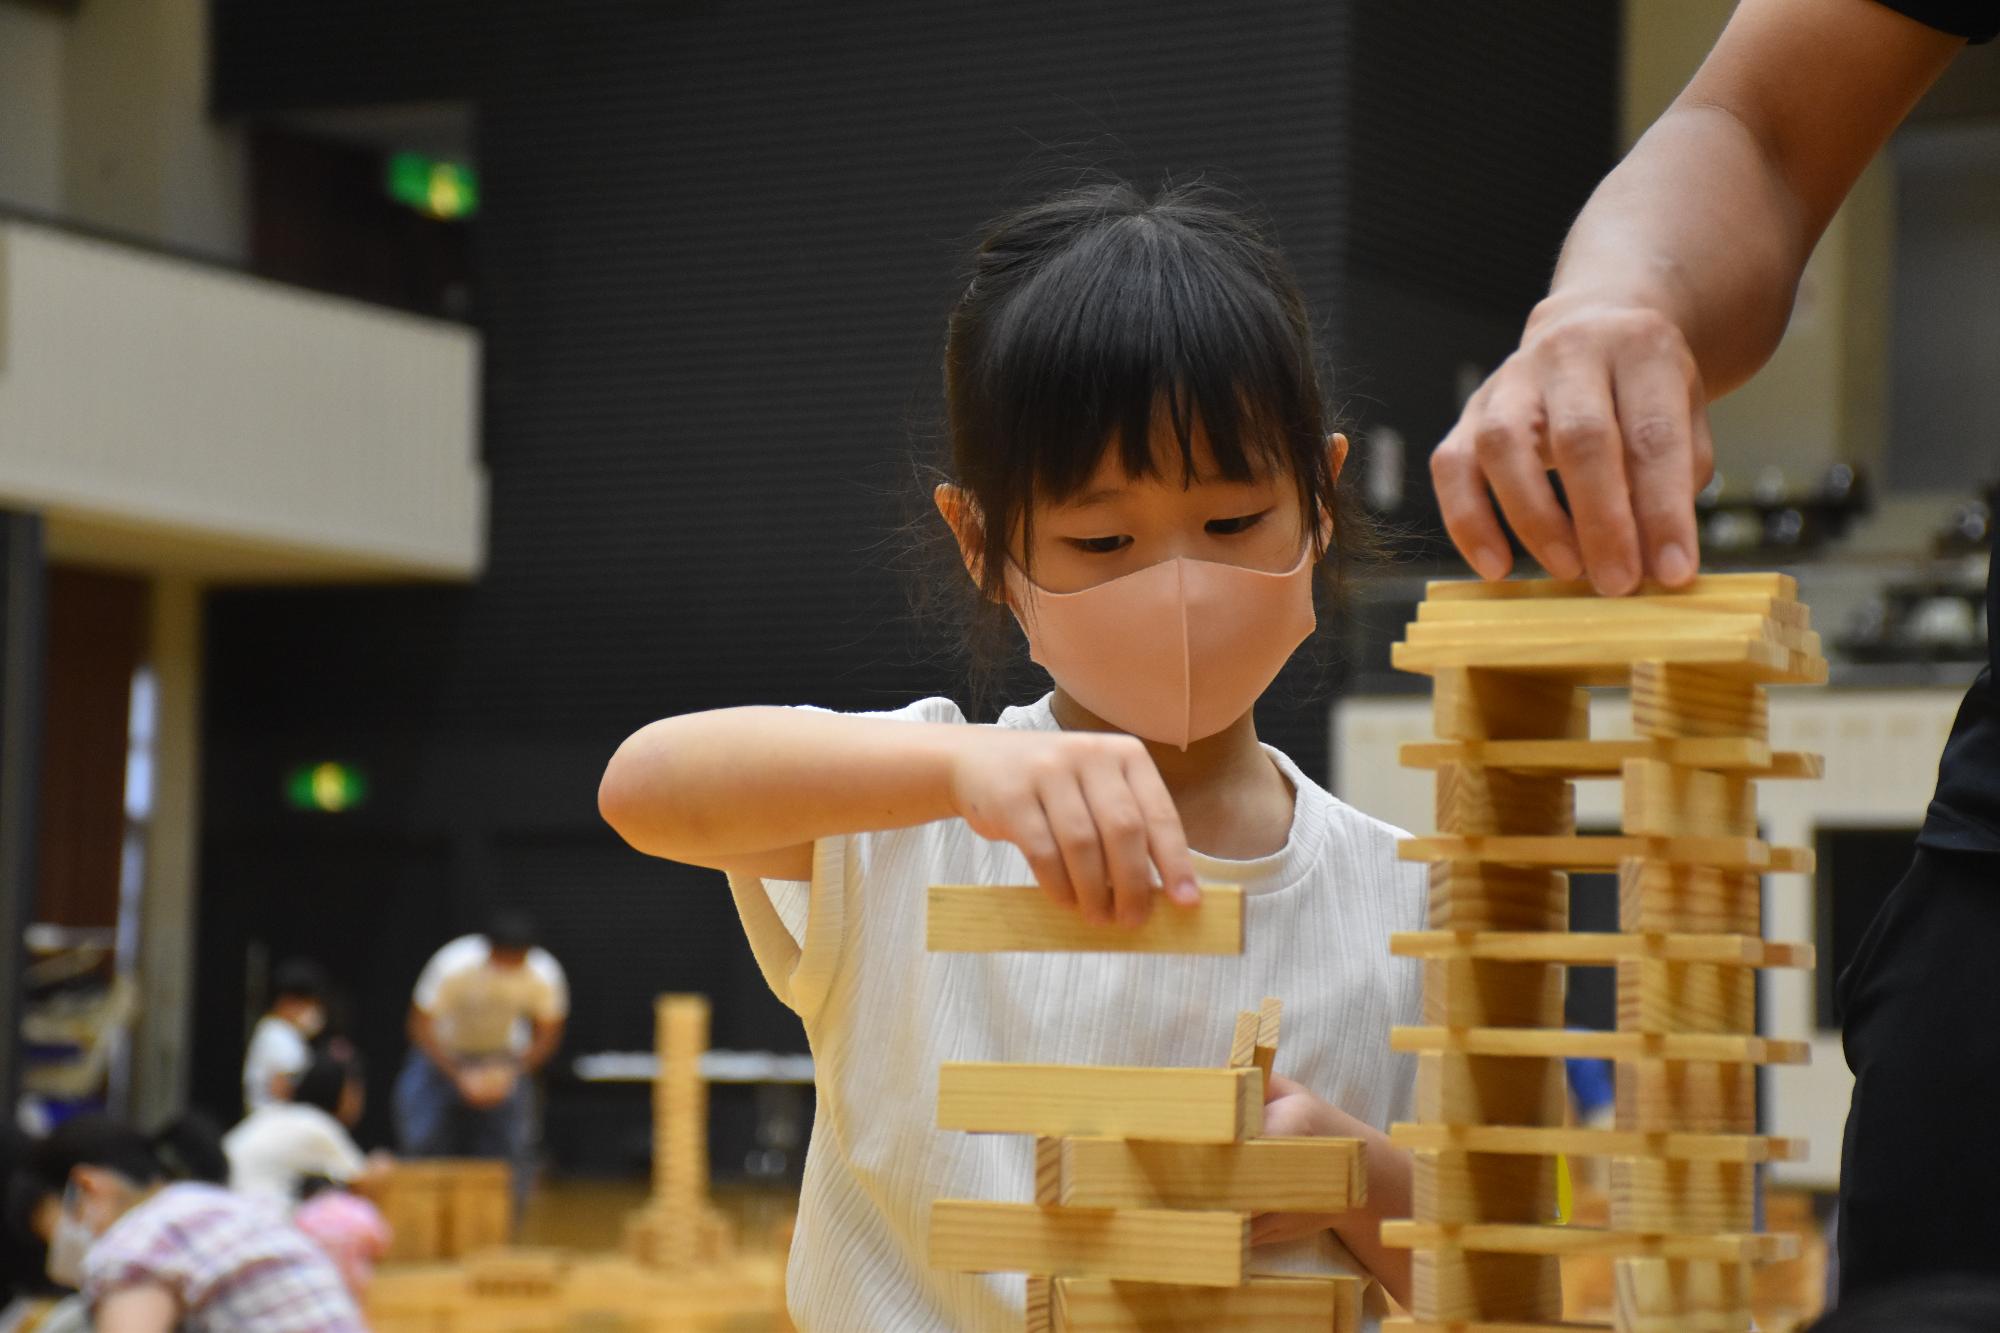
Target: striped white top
{"points": [[846, 952]]}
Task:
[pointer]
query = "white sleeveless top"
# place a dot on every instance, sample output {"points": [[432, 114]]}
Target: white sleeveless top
{"points": [[846, 953]]}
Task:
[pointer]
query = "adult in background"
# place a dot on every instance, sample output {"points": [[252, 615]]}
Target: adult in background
{"points": [[1674, 287], [487, 1014], [281, 1043]]}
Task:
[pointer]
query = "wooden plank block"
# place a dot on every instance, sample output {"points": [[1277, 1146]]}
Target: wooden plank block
{"points": [[1296, 1175], [1455, 1088], [1540, 1140], [1666, 801], [1451, 1187], [1466, 895], [1489, 705], [1686, 1097], [1652, 1195], [1585, 852], [1606, 758], [1180, 1105], [1202, 1249], [1782, 587], [1449, 1285], [1475, 1325], [1641, 607], [1479, 993], [1676, 700], [1659, 996], [1495, 801], [1519, 1238], [1655, 897], [1716, 1047], [1277, 1304], [1243, 1042], [1265, 1054], [1003, 918], [1668, 1296], [1038, 1313], [1599, 660], [1592, 948]]}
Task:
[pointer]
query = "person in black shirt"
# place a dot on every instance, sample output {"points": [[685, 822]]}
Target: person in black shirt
{"points": [[1674, 287]]}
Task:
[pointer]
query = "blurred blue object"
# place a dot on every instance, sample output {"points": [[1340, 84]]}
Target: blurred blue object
{"points": [[1590, 1083]]}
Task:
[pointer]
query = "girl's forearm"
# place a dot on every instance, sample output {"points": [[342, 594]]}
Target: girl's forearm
{"points": [[707, 788]]}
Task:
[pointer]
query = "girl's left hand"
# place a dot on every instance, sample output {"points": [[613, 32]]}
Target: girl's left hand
{"points": [[1292, 1110]]}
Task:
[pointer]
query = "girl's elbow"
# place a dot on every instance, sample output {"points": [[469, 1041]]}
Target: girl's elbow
{"points": [[629, 794]]}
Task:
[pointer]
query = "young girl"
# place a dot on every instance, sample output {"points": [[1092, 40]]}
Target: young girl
{"points": [[1143, 480]]}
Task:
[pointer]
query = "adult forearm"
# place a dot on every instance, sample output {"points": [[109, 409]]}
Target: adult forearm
{"points": [[707, 787], [1698, 224]]}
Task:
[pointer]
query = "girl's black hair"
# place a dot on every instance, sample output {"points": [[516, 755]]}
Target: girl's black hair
{"points": [[188, 1149], [323, 1082], [1099, 311]]}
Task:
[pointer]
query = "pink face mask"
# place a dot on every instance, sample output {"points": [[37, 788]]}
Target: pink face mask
{"points": [[1173, 652]]}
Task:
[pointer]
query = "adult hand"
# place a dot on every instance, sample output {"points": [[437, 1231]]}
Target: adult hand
{"points": [[485, 1086], [1088, 810], [1607, 396]]}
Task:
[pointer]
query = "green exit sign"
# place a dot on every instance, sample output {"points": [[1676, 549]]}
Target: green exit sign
{"points": [[433, 186], [327, 786]]}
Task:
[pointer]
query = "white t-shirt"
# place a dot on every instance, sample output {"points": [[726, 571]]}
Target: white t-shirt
{"points": [[275, 1048], [485, 1010], [278, 1145], [846, 952]]}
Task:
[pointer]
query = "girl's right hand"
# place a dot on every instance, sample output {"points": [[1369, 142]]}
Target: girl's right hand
{"points": [[1088, 810]]}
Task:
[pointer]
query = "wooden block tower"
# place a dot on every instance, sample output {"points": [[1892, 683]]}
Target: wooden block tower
{"points": [[1145, 1179], [680, 1226], [1511, 663]]}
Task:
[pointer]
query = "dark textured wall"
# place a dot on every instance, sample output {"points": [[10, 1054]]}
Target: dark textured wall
{"points": [[715, 249]]}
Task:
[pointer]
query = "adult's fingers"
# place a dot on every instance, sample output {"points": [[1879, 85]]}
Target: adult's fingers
{"points": [[1506, 442], [1585, 444], [1077, 840], [1656, 421], [1121, 831], [1166, 840], [1468, 515]]}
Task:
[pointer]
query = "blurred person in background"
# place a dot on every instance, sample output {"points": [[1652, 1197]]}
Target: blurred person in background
{"points": [[141, 1229], [281, 1044], [487, 1014], [281, 1145]]}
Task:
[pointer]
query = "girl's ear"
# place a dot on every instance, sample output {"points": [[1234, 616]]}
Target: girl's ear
{"points": [[961, 515], [1336, 455]]}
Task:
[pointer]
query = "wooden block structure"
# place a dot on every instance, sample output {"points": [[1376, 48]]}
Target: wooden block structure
{"points": [[1511, 664], [1145, 1179], [445, 1208], [680, 1227]]}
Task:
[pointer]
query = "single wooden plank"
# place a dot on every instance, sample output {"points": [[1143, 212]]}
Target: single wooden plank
{"points": [[1283, 1175], [1604, 660], [1654, 627], [1523, 1238], [1202, 1249], [1493, 705], [1276, 1304], [1265, 1054], [1048, 1170], [1606, 758], [1477, 1325], [1006, 918], [1668, 801], [1590, 948], [1179, 1105], [1038, 1313], [1450, 1186], [1565, 609], [1652, 1194], [1458, 1089], [1537, 1140], [1723, 1048], [1243, 1041], [1482, 993], [1783, 587], [1659, 898], [1475, 800], [1584, 852], [1454, 1284]]}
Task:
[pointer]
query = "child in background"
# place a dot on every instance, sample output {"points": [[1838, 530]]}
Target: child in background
{"points": [[153, 1247], [281, 1144], [349, 1228], [1145, 478]]}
